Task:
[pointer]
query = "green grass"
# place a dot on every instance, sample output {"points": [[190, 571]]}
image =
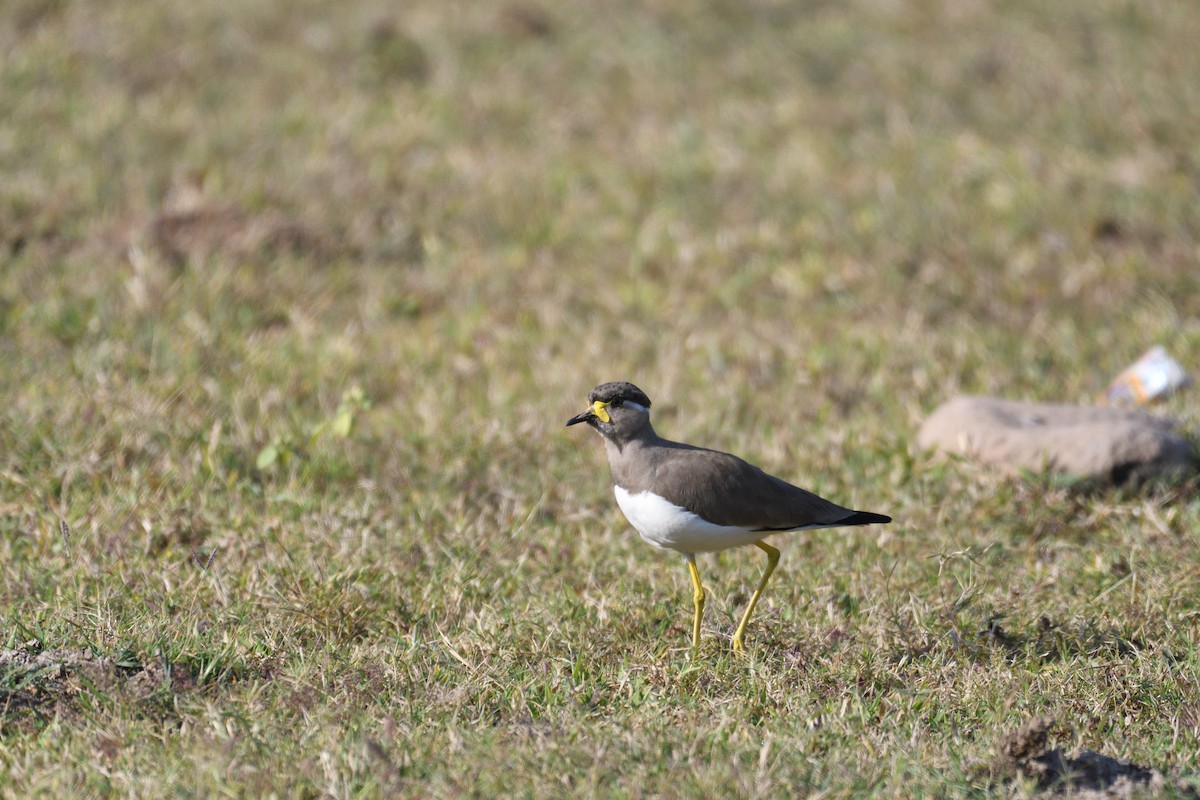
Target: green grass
{"points": [[294, 303]]}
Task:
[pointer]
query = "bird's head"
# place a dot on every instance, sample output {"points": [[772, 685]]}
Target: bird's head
{"points": [[618, 410]]}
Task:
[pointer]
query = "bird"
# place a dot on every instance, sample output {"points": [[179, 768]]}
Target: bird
{"points": [[693, 500]]}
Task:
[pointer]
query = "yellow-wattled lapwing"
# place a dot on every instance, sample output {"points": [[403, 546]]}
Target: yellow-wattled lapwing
{"points": [[692, 500]]}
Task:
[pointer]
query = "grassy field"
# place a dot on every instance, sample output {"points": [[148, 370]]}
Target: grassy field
{"points": [[295, 299]]}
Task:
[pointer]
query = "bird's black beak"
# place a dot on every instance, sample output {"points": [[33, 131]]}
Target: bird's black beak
{"points": [[581, 417]]}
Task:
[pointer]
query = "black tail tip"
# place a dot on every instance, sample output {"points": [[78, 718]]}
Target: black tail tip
{"points": [[864, 518]]}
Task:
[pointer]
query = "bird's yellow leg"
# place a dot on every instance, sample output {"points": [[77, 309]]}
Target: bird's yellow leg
{"points": [[740, 632], [697, 599]]}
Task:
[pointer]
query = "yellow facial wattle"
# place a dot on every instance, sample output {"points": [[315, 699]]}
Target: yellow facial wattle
{"points": [[600, 412]]}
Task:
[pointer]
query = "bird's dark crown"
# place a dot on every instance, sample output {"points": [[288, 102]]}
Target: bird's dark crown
{"points": [[618, 390]]}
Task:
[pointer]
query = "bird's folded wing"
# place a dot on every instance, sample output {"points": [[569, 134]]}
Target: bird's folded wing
{"points": [[725, 490]]}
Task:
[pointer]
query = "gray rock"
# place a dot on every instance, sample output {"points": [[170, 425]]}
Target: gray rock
{"points": [[1094, 442]]}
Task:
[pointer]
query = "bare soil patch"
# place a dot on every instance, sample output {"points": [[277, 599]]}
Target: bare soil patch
{"points": [[1081, 773], [34, 685]]}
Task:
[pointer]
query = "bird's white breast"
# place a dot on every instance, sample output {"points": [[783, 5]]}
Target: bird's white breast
{"points": [[671, 527]]}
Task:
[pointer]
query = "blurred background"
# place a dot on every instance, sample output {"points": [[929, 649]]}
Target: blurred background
{"points": [[852, 209]]}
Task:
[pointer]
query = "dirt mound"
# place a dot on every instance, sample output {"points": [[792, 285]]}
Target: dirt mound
{"points": [[1083, 773]]}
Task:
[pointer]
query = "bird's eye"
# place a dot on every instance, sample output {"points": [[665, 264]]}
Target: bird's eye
{"points": [[617, 402]]}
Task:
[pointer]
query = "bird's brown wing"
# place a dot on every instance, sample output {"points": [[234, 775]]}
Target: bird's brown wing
{"points": [[726, 490]]}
